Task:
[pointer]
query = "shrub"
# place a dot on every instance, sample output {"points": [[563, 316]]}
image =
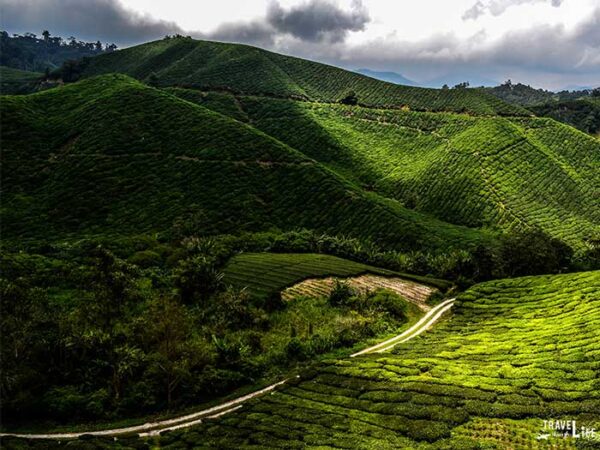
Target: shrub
{"points": [[340, 294], [390, 302], [145, 259], [349, 99]]}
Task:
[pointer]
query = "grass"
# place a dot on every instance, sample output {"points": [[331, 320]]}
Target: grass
{"points": [[264, 274], [243, 69], [111, 156], [452, 387]]}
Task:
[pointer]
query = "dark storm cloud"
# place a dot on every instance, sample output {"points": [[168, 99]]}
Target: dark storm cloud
{"points": [[318, 20], [311, 21], [497, 7], [106, 20]]}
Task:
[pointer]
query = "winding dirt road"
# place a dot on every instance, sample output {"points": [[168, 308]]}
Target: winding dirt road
{"points": [[188, 420]]}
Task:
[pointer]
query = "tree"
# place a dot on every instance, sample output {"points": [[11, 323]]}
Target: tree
{"points": [[98, 46], [445, 87], [197, 278], [341, 293], [46, 35], [168, 328], [102, 324], [533, 252]]}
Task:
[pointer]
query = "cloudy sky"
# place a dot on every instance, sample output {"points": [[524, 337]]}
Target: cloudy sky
{"points": [[547, 43]]}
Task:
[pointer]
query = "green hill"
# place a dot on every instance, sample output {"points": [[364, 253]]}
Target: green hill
{"points": [[110, 155], [515, 353], [238, 68], [473, 171]]}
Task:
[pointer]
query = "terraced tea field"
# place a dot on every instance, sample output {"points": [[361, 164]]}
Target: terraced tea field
{"points": [[514, 353], [473, 171], [110, 155], [264, 274], [322, 287]]}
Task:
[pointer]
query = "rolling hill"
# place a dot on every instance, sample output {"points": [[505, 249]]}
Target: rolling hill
{"points": [[110, 155], [205, 65], [472, 171], [452, 388]]}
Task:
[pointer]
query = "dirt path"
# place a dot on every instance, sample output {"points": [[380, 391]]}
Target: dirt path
{"points": [[188, 420], [422, 325]]}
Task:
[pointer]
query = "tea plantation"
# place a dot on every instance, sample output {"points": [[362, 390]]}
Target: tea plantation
{"points": [[238, 68], [158, 199], [472, 171], [111, 156], [514, 353]]}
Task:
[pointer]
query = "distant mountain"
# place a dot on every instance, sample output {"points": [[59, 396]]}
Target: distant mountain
{"points": [[576, 87], [390, 77]]}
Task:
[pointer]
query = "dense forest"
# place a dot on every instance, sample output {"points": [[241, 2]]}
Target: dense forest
{"points": [[46, 52]]}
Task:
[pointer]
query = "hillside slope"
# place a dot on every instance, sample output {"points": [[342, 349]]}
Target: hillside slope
{"points": [[473, 171], [110, 155], [243, 69], [452, 388]]}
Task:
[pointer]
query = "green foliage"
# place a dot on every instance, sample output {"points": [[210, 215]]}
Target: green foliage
{"points": [[28, 52], [583, 114], [349, 99], [472, 171], [533, 252], [89, 334], [197, 278]]}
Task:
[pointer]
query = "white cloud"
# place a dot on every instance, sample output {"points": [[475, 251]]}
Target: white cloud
{"points": [[498, 7]]}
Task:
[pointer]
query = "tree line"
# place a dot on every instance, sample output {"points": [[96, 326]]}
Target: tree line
{"points": [[43, 53]]}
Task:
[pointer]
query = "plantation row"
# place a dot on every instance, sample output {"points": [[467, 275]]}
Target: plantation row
{"points": [[248, 70], [447, 388]]}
